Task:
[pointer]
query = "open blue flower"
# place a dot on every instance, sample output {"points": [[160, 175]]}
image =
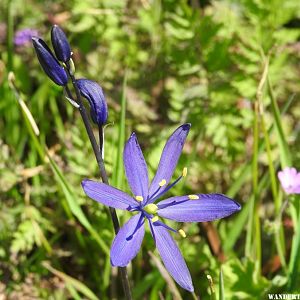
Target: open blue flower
{"points": [[189, 208]]}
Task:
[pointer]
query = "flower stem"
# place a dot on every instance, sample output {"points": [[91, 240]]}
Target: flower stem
{"points": [[101, 141], [10, 33], [103, 174]]}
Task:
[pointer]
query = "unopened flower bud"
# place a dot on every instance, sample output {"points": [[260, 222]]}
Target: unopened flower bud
{"points": [[60, 44], [94, 94], [49, 63]]}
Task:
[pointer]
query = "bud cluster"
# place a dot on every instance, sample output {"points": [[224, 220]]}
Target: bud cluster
{"points": [[59, 67]]}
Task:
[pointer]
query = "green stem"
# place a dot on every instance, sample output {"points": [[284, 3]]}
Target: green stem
{"points": [[285, 157], [101, 140], [295, 257], [10, 31], [249, 236], [279, 234], [279, 237]]}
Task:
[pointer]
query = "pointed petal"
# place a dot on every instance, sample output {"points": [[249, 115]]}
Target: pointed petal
{"points": [[171, 256], [107, 195], [135, 167], [127, 242], [60, 44], [170, 156], [290, 180], [208, 207], [49, 63]]}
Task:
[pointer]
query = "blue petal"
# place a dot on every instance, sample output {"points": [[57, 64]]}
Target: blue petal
{"points": [[60, 44], [171, 256], [170, 156], [107, 195], [136, 168], [208, 207], [49, 63], [127, 242], [92, 91]]}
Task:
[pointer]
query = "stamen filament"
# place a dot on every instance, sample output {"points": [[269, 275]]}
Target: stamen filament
{"points": [[155, 197], [155, 193], [154, 219], [161, 184], [139, 224], [160, 223], [161, 206]]}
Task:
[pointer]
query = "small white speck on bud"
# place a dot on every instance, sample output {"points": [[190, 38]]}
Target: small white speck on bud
{"points": [[73, 102]]}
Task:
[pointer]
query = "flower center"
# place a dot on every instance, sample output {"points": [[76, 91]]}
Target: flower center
{"points": [[151, 208]]}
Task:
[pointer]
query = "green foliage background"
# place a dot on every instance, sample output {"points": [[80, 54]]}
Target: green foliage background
{"points": [[185, 61]]}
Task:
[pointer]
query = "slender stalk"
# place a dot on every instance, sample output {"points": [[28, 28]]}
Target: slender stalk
{"points": [[249, 237], [295, 257], [101, 140], [10, 25], [256, 220], [279, 235], [221, 286], [285, 156], [103, 174], [195, 296]]}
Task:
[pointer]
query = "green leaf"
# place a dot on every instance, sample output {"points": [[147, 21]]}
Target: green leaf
{"points": [[118, 173], [221, 286], [74, 283], [285, 155]]}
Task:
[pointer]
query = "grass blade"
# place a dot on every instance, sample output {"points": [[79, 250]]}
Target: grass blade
{"points": [[221, 286], [76, 284], [285, 155], [118, 174]]}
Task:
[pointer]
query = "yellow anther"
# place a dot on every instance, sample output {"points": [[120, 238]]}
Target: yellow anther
{"points": [[193, 197], [163, 182], [182, 233], [139, 198], [151, 208], [184, 172], [154, 219]]}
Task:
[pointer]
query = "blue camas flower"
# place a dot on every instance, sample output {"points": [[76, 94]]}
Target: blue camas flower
{"points": [[94, 94], [49, 63], [60, 44], [189, 208]]}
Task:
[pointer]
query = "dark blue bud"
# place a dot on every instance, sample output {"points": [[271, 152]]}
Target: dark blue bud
{"points": [[60, 44], [49, 63], [94, 94]]}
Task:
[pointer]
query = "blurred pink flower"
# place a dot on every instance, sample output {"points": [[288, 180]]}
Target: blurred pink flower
{"points": [[290, 180]]}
